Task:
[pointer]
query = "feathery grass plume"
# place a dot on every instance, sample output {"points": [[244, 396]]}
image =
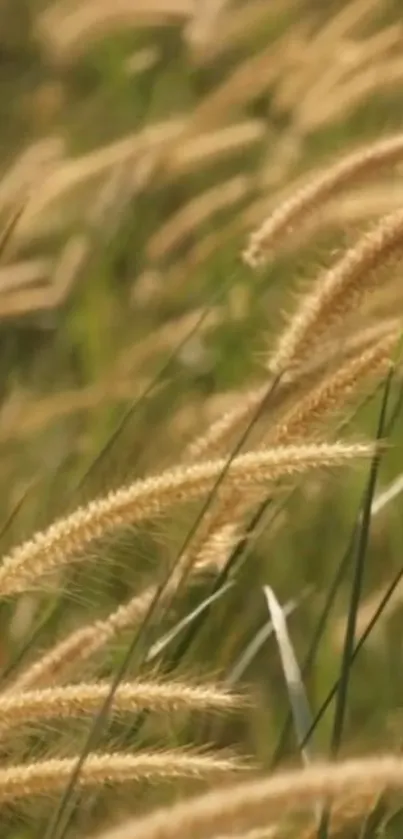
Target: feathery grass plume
{"points": [[44, 777], [207, 18], [66, 539], [345, 346], [343, 23], [221, 529], [248, 81], [333, 391], [337, 292], [82, 643], [329, 40], [86, 641], [186, 220], [71, 173], [368, 51], [344, 817], [129, 697], [32, 165], [24, 272], [358, 164], [67, 29], [347, 95], [257, 803], [232, 420], [350, 211], [241, 21], [229, 423], [220, 532], [383, 305], [208, 146]]}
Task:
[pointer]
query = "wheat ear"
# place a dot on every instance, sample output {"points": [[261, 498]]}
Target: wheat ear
{"points": [[129, 697], [344, 172], [337, 292], [68, 537], [47, 776], [255, 803]]}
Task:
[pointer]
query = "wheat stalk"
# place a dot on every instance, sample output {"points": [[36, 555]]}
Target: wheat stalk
{"points": [[47, 776], [345, 172], [258, 802], [67, 538]]}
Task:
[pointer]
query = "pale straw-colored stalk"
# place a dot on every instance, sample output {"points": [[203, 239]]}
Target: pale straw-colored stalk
{"points": [[259, 802]]}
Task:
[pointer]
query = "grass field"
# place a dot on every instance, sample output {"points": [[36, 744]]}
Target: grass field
{"points": [[201, 416]]}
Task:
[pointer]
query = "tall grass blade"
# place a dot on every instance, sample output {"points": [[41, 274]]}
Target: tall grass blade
{"points": [[173, 633], [297, 695], [258, 641], [358, 577]]}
